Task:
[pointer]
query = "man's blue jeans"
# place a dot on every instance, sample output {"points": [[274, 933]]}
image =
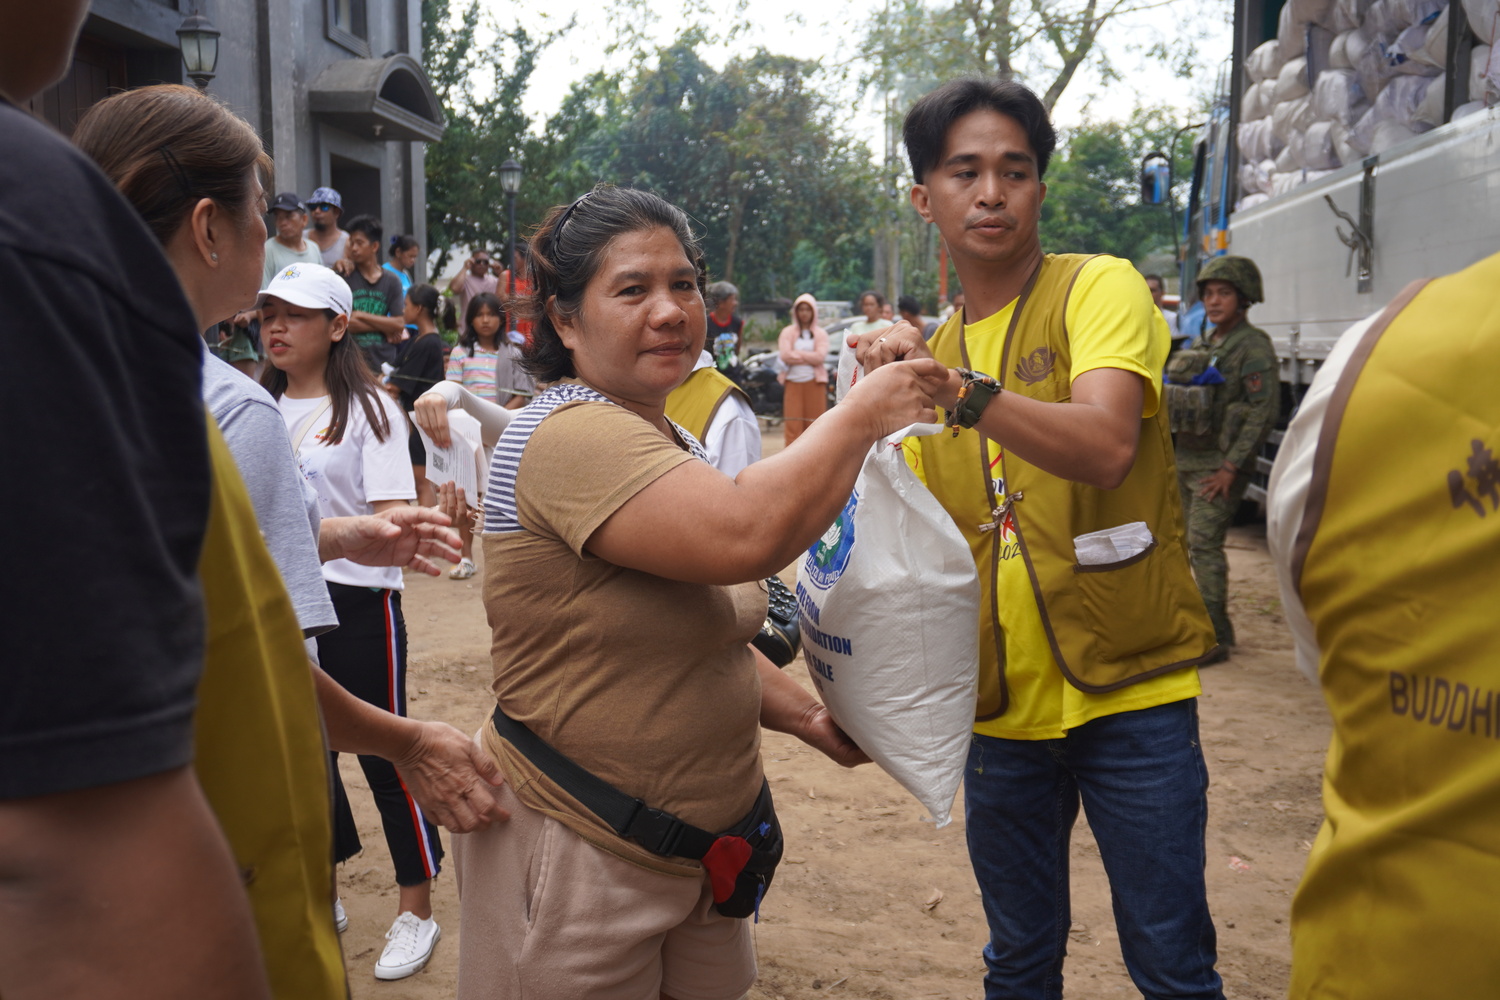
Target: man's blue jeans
{"points": [[1143, 785]]}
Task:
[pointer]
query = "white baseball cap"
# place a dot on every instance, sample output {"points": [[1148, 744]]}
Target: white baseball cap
{"points": [[311, 286]]}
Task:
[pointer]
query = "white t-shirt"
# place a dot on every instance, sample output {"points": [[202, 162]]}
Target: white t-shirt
{"points": [[801, 373], [351, 475], [732, 438]]}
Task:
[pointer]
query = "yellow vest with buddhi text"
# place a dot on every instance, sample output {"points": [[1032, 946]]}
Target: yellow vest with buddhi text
{"points": [[1108, 626], [1398, 565], [259, 751], [693, 404]]}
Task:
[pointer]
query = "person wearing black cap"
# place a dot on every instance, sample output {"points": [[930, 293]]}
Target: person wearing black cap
{"points": [[289, 245]]}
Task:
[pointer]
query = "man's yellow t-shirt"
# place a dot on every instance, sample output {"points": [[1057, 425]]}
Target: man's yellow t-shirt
{"points": [[1112, 323]]}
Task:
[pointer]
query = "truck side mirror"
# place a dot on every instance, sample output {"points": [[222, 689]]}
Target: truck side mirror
{"points": [[1156, 178]]}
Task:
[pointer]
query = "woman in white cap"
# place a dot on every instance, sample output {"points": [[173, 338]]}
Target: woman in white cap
{"points": [[350, 439]]}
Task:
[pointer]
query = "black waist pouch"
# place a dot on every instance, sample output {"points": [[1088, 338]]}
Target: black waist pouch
{"points": [[741, 861]]}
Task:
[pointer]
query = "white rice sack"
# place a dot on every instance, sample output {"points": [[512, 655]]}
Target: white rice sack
{"points": [[1286, 160], [888, 600], [1403, 98], [1318, 151], [1483, 17], [1253, 105], [1295, 150], [1389, 135], [1248, 184], [1484, 78], [1338, 53], [1255, 140], [1338, 97], [1291, 82], [1314, 175], [1347, 154], [1291, 116], [1399, 57], [1350, 14], [1362, 131], [1465, 110], [1265, 62], [1311, 11], [1251, 200], [1285, 182], [1430, 109], [1319, 51], [1385, 20], [1290, 36], [1434, 49]]}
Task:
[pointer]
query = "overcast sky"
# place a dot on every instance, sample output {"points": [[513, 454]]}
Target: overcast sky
{"points": [[830, 31]]}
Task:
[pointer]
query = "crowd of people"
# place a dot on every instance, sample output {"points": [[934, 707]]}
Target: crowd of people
{"points": [[165, 768]]}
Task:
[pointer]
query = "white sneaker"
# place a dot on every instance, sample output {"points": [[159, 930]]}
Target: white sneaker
{"points": [[408, 946], [463, 571], [340, 918]]}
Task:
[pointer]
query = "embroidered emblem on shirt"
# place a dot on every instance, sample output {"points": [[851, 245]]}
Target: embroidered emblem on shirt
{"points": [[1484, 470], [1036, 366]]}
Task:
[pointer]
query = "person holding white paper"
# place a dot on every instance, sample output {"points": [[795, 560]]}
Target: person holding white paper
{"points": [[348, 437]]}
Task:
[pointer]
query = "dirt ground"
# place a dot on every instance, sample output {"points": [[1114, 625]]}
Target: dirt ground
{"points": [[852, 913]]}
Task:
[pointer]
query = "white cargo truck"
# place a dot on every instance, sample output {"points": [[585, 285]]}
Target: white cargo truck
{"points": [[1354, 150]]}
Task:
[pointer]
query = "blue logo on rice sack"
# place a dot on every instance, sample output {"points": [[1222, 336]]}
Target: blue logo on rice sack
{"points": [[829, 555]]}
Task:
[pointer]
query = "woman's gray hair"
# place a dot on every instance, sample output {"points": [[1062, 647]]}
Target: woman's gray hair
{"points": [[718, 292]]}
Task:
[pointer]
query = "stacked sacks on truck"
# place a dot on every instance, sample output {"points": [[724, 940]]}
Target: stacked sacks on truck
{"points": [[1346, 79]]}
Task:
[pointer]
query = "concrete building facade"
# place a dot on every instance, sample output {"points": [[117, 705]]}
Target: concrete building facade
{"points": [[335, 87]]}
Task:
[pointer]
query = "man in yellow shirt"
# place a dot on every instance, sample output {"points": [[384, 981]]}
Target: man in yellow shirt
{"points": [[1059, 472]]}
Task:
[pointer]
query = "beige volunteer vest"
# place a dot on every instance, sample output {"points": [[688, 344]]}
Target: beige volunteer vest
{"points": [[1108, 626], [1397, 562]]}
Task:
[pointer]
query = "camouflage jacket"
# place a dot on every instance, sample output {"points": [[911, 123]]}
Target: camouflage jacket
{"points": [[1245, 406]]}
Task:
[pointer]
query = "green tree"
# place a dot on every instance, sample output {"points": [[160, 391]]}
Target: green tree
{"points": [[1093, 200], [753, 153], [480, 87]]}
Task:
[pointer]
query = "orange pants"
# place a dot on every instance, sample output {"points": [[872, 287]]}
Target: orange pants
{"points": [[803, 403]]}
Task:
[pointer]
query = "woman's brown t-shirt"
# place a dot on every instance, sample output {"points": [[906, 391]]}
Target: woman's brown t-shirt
{"points": [[647, 682]]}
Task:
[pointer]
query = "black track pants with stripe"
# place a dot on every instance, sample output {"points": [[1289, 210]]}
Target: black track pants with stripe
{"points": [[367, 655]]}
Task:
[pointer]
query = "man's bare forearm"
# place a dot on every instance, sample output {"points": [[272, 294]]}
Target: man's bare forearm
{"points": [[124, 892]]}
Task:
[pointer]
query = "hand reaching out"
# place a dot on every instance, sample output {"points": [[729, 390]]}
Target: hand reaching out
{"points": [[400, 536]]}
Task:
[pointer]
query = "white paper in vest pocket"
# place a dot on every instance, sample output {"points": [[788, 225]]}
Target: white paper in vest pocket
{"points": [[889, 602]]}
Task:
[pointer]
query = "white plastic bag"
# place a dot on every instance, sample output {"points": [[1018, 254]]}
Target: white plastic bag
{"points": [[889, 602]]}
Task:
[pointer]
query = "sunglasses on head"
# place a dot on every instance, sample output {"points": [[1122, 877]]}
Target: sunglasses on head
{"points": [[321, 206]]}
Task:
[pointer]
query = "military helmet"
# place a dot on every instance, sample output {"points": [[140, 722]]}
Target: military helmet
{"points": [[1240, 272]]}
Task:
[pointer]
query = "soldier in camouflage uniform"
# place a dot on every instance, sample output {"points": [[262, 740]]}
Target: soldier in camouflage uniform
{"points": [[1223, 396]]}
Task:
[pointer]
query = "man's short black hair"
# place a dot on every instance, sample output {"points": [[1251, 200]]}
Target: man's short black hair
{"points": [[928, 121], [909, 304], [1157, 278], [368, 225]]}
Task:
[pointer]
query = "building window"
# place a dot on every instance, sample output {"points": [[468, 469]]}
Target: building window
{"points": [[348, 26]]}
